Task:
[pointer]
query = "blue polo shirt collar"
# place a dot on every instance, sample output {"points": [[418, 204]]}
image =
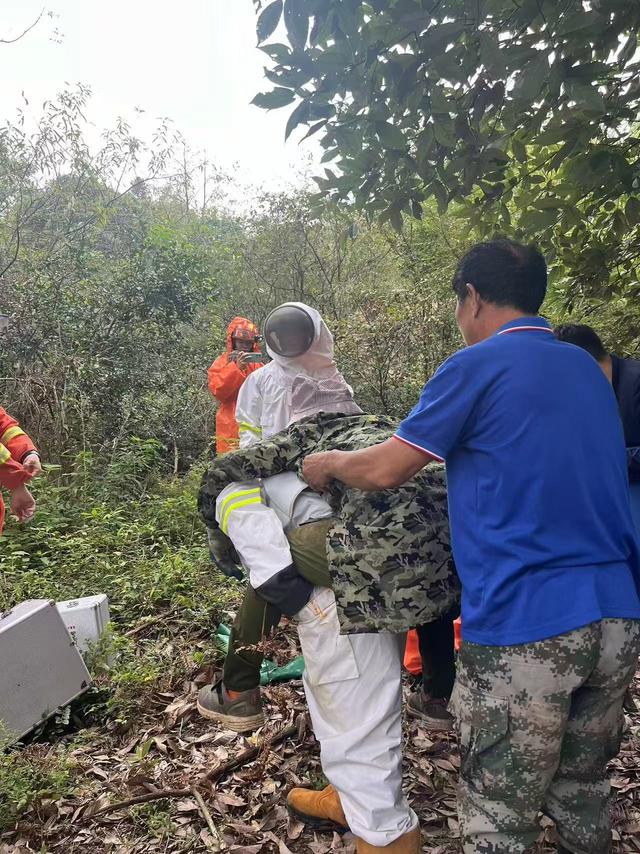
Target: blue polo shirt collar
{"points": [[525, 324]]}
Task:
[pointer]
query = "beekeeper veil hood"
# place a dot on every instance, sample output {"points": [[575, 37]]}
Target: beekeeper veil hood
{"points": [[299, 341], [310, 396]]}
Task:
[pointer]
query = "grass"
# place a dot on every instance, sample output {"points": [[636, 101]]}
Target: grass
{"points": [[33, 776], [130, 530]]}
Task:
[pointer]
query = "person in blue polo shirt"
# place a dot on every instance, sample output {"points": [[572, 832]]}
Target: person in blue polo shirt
{"points": [[545, 548]]}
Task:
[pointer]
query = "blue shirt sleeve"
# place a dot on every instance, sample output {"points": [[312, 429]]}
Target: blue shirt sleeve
{"points": [[437, 423]]}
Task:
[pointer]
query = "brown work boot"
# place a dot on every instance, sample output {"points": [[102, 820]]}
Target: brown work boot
{"points": [[240, 714], [409, 843], [320, 810], [432, 711]]}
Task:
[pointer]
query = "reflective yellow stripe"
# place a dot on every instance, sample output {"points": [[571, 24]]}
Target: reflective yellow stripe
{"points": [[255, 490], [5, 454], [231, 507], [11, 433], [244, 425]]}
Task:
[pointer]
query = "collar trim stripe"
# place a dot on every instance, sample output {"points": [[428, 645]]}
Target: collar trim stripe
{"points": [[525, 329]]}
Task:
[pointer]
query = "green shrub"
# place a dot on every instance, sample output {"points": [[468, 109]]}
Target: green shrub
{"points": [[27, 778], [128, 529]]}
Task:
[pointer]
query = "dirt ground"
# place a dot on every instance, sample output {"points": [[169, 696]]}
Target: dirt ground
{"points": [[170, 747]]}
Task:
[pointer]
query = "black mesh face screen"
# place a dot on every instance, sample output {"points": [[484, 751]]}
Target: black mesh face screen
{"points": [[289, 331]]}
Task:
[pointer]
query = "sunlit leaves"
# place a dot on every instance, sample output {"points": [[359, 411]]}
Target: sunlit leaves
{"points": [[269, 20], [296, 19], [489, 105], [278, 97]]}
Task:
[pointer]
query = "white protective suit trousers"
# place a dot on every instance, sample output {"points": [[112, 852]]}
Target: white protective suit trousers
{"points": [[353, 689]]}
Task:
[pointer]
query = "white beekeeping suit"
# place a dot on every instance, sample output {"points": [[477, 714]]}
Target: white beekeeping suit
{"points": [[257, 515], [352, 683], [302, 379], [264, 402]]}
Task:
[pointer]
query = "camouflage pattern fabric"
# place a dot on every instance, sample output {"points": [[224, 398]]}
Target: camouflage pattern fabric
{"points": [[389, 552], [537, 724]]}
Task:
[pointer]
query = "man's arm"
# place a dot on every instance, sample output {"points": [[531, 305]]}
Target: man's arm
{"points": [[224, 379], [435, 425], [382, 466]]}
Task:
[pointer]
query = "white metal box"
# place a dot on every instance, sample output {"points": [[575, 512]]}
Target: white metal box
{"points": [[41, 669], [85, 619]]}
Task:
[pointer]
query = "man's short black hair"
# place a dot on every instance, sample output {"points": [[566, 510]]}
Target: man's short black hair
{"points": [[582, 336], [504, 273]]}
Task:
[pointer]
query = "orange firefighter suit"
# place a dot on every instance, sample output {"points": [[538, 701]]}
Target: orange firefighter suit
{"points": [[225, 379], [15, 445]]}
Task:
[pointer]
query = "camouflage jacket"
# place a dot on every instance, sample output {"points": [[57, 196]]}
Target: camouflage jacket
{"points": [[389, 552]]}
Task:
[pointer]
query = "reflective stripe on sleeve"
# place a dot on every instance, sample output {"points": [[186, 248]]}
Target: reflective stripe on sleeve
{"points": [[11, 433], [238, 499], [5, 454], [244, 425]]}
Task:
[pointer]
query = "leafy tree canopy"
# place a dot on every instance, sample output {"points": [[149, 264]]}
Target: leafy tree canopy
{"points": [[521, 113]]}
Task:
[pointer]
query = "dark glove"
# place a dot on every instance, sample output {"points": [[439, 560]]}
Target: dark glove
{"points": [[223, 554]]}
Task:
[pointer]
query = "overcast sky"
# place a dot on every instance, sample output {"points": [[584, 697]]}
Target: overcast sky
{"points": [[194, 61]]}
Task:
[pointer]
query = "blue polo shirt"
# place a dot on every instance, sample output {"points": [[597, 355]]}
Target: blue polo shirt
{"points": [[537, 476]]}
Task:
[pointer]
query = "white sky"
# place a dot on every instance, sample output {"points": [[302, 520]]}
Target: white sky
{"points": [[194, 61]]}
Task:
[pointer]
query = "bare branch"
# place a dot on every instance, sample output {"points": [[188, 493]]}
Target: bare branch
{"points": [[24, 32]]}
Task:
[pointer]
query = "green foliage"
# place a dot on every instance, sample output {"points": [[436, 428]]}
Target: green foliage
{"points": [[117, 529], [520, 113], [26, 779], [153, 820], [386, 298], [124, 529]]}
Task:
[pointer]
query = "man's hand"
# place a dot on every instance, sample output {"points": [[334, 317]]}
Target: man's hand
{"points": [[316, 470], [383, 466], [32, 465], [23, 504], [223, 554], [242, 360]]}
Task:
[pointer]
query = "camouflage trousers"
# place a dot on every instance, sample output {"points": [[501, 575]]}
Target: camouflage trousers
{"points": [[537, 724]]}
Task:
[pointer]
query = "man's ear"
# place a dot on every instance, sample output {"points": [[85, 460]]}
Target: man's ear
{"points": [[476, 300]]}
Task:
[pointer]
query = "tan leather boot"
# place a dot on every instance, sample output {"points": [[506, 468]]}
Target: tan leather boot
{"points": [[319, 810], [409, 843]]}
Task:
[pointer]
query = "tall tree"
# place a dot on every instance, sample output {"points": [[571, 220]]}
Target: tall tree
{"points": [[519, 112]]}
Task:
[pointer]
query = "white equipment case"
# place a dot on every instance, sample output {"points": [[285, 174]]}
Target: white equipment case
{"points": [[85, 619], [41, 669]]}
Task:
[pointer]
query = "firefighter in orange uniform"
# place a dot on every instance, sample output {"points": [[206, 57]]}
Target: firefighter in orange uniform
{"points": [[227, 374], [19, 462]]}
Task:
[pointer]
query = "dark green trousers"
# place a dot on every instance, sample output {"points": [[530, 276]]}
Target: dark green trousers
{"points": [[256, 619]]}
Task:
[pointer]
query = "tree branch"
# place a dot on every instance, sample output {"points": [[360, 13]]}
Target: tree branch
{"points": [[24, 32]]}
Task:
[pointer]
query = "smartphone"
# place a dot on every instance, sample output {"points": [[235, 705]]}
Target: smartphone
{"points": [[255, 358]]}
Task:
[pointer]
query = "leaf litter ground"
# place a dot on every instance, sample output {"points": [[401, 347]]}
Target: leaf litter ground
{"points": [[167, 747]]}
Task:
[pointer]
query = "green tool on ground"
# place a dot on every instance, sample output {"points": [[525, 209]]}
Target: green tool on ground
{"points": [[269, 672]]}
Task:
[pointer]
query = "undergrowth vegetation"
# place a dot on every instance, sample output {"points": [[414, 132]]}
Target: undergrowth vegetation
{"points": [[128, 528]]}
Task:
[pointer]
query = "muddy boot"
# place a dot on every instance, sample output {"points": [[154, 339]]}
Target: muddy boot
{"points": [[409, 843], [240, 714], [431, 711], [319, 810]]}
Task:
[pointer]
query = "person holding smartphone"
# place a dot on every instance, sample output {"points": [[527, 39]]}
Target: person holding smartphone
{"points": [[227, 375]]}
